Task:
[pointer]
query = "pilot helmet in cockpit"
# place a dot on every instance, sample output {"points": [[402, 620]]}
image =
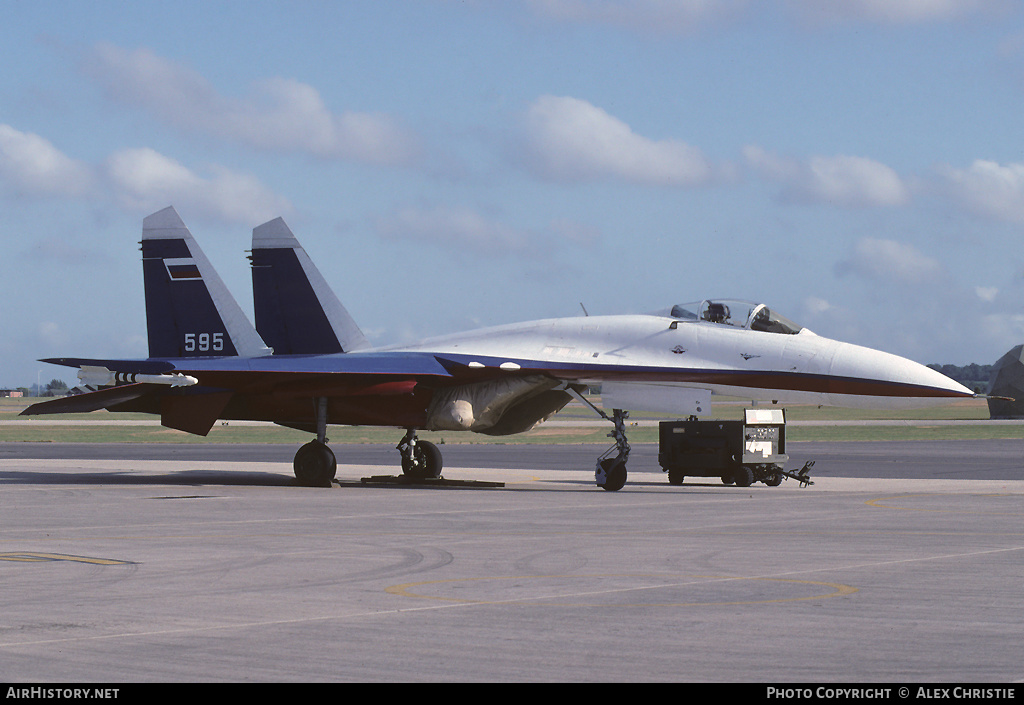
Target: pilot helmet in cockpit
{"points": [[716, 313]]}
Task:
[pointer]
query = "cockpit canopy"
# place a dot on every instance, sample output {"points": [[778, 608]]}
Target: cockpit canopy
{"points": [[740, 314]]}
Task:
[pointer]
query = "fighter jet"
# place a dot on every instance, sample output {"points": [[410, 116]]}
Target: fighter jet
{"points": [[306, 364]]}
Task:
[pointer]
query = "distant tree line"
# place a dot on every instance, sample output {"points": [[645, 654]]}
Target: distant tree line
{"points": [[56, 388], [972, 376]]}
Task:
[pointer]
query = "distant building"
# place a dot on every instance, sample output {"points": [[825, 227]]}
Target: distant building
{"points": [[11, 393]]}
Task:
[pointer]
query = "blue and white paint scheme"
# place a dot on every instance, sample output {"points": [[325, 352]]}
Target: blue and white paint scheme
{"points": [[305, 364]]}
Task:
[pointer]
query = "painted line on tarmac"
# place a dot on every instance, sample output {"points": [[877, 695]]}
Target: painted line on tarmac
{"points": [[406, 590]]}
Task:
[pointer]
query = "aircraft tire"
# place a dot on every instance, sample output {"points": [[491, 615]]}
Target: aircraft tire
{"points": [[615, 474], [315, 465], [676, 476], [428, 462]]}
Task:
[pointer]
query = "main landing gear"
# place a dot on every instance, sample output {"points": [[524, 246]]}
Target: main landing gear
{"points": [[420, 459], [315, 464]]}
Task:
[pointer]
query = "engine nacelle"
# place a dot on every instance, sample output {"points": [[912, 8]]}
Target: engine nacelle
{"points": [[496, 407]]}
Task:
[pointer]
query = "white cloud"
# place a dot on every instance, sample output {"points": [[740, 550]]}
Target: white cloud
{"points": [[988, 188], [661, 16], [461, 228], [815, 305], [986, 293], [145, 180], [31, 166], [570, 139], [280, 114], [888, 261], [839, 180], [65, 251], [51, 335], [688, 16], [895, 12], [465, 229], [138, 179], [1002, 331], [575, 232]]}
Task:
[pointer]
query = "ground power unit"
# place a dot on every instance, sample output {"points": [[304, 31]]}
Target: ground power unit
{"points": [[739, 452]]}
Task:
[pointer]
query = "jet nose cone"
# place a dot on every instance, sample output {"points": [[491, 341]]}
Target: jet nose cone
{"points": [[882, 380]]}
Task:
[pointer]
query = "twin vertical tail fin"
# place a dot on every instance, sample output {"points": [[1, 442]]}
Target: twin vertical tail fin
{"points": [[296, 311], [189, 311]]}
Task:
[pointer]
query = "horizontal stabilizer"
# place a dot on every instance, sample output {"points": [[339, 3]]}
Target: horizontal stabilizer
{"points": [[296, 311], [90, 401]]}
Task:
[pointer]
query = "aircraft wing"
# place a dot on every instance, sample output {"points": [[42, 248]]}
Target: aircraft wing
{"points": [[190, 394]]}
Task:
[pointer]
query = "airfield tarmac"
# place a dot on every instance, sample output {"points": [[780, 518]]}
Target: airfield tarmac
{"points": [[903, 563]]}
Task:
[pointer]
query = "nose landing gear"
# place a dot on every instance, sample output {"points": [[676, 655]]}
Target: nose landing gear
{"points": [[610, 472]]}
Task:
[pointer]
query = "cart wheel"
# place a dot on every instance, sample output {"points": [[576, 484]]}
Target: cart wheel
{"points": [[744, 477], [728, 479], [675, 476], [774, 479]]}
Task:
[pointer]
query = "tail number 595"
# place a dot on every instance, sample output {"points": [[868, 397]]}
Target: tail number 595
{"points": [[204, 342]]}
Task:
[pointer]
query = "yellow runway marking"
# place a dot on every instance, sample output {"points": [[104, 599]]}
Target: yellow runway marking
{"points": [[884, 503], [30, 557], [406, 590]]}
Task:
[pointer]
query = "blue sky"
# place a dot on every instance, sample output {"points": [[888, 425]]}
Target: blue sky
{"points": [[858, 165]]}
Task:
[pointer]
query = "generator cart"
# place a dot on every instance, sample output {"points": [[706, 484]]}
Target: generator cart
{"points": [[739, 452]]}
